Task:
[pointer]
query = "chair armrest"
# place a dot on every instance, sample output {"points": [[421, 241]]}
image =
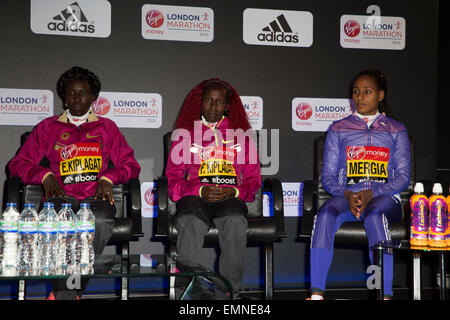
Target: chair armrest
{"points": [[273, 185], [162, 191], [132, 190], [308, 208], [15, 190]]}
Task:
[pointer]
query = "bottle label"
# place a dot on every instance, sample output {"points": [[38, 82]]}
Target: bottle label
{"points": [[48, 227], [438, 220], [419, 218], [86, 226], [28, 227], [66, 227], [8, 226]]}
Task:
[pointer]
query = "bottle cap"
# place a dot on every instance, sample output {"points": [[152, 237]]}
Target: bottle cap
{"points": [[67, 205], [85, 205], [11, 204], [48, 204], [418, 187], [29, 205], [437, 188]]}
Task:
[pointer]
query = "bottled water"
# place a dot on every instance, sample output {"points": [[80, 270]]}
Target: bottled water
{"points": [[9, 236], [28, 233], [48, 233], [66, 240], [85, 222]]}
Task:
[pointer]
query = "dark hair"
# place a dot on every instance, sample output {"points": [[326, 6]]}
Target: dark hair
{"points": [[77, 73], [191, 109], [381, 82]]}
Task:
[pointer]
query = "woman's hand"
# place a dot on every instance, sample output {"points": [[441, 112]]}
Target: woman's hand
{"points": [[358, 201], [52, 187], [215, 193], [105, 191]]}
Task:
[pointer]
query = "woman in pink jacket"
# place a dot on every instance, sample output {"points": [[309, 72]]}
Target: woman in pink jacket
{"points": [[79, 147], [212, 170]]}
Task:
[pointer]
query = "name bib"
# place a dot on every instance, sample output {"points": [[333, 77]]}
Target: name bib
{"points": [[217, 165], [80, 162], [367, 163]]}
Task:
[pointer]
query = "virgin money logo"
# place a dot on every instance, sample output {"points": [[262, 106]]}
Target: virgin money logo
{"points": [[154, 19], [69, 152], [149, 197], [101, 106], [303, 111], [356, 153], [352, 28], [208, 153]]}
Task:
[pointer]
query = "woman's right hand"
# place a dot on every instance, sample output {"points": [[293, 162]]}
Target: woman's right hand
{"points": [[354, 203], [52, 187], [213, 193]]}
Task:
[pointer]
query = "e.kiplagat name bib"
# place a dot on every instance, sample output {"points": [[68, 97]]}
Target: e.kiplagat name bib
{"points": [[217, 164], [367, 163], [80, 162]]}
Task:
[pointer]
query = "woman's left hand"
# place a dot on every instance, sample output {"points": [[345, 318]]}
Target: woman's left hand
{"points": [[365, 196], [105, 191]]}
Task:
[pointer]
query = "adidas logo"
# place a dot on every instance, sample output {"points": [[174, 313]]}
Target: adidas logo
{"points": [[351, 182], [278, 30], [204, 180], [71, 19]]}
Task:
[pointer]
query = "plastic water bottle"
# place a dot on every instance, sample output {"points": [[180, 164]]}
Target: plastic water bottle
{"points": [[48, 234], [28, 233], [66, 240], [85, 221], [9, 239]]}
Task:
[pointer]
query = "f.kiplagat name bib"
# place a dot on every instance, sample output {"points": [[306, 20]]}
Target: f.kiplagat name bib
{"points": [[367, 163], [80, 162], [217, 164]]}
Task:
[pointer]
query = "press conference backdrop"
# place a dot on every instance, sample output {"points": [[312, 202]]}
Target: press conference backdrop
{"points": [[291, 62]]}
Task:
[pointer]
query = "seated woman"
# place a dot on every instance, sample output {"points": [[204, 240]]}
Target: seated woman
{"points": [[372, 141], [65, 139], [212, 170]]}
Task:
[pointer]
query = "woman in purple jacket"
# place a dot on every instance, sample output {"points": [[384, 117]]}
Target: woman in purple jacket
{"points": [[79, 147], [366, 165]]}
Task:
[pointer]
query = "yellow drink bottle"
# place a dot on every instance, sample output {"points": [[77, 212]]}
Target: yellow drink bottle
{"points": [[438, 219], [419, 217]]}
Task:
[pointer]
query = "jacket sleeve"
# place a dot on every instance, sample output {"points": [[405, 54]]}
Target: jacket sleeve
{"points": [[26, 162], [251, 173], [122, 156], [175, 172], [402, 168]]}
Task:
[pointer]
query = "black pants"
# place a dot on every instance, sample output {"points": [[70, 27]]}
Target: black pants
{"points": [[194, 218], [104, 222]]}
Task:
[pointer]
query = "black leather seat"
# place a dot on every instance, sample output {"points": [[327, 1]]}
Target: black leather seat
{"points": [[350, 233], [261, 230], [128, 219]]}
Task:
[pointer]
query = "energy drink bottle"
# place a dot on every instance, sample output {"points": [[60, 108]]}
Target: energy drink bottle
{"points": [[438, 219], [447, 201], [419, 217]]}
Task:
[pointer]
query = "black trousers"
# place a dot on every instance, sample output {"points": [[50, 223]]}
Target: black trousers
{"points": [[194, 218], [104, 214]]}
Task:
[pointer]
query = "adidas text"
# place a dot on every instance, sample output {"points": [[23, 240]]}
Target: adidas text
{"points": [[278, 37], [74, 27]]}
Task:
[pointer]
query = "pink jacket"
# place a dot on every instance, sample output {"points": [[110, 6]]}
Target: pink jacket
{"points": [[204, 157], [78, 156]]}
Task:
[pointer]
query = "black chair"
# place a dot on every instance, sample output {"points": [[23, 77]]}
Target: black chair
{"points": [[128, 219], [350, 233], [261, 230]]}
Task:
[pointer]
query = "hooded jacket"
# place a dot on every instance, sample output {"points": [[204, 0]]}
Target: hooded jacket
{"points": [[211, 156], [358, 157], [78, 156]]}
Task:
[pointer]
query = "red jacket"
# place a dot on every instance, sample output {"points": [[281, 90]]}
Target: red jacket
{"points": [[206, 158], [78, 156]]}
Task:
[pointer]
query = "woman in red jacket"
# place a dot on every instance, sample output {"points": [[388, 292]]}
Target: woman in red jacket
{"points": [[79, 147], [212, 170]]}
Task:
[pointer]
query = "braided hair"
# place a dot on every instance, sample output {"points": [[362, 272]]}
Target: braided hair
{"points": [[191, 109]]}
